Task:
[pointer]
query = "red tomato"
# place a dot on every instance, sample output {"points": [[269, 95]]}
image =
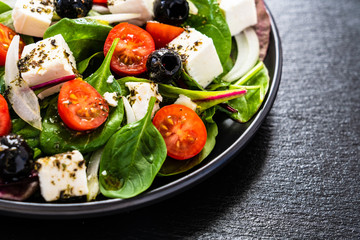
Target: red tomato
{"points": [[163, 33], [6, 36], [132, 51], [100, 1], [5, 121], [81, 107], [182, 129]]}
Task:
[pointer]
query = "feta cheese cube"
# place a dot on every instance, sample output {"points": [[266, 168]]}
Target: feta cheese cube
{"points": [[186, 101], [200, 57], [111, 98], [62, 176], [143, 7], [46, 60], [32, 17], [139, 98], [239, 14]]}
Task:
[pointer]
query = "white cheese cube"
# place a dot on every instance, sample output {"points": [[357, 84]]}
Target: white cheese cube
{"points": [[239, 14], [46, 60], [111, 98], [32, 17], [62, 176], [199, 55], [186, 101], [143, 7], [139, 98]]}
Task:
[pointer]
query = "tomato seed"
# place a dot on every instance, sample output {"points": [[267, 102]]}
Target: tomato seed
{"points": [[164, 127]]}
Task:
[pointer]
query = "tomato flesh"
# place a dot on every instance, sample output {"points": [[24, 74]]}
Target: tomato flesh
{"points": [[81, 107], [100, 1], [182, 129], [132, 51], [5, 121], [163, 33], [6, 36]]}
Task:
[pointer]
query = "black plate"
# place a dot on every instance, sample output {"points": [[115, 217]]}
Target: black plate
{"points": [[231, 139]]}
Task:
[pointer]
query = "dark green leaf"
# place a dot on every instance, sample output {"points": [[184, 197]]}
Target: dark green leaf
{"points": [[84, 36], [211, 22], [256, 83], [84, 64], [132, 158], [4, 7], [26, 131]]}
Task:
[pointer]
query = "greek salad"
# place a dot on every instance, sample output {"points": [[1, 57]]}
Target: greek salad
{"points": [[100, 97]]}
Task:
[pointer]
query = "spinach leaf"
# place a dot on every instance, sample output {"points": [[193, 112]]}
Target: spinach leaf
{"points": [[103, 80], [132, 158], [4, 7], [211, 22], [86, 63], [84, 36], [2, 80], [256, 82], [173, 166], [26, 131], [57, 138], [6, 19]]}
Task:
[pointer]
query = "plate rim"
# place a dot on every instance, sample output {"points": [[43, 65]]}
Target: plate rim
{"points": [[113, 206]]}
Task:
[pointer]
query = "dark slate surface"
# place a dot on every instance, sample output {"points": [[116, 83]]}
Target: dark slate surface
{"points": [[298, 178]]}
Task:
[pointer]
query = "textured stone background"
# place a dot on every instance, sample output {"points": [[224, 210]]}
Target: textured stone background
{"points": [[298, 178]]}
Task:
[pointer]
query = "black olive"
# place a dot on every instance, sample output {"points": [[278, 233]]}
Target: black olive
{"points": [[174, 12], [73, 8], [16, 158], [164, 65]]}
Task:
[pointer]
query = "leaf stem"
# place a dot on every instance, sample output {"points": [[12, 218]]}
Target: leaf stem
{"points": [[258, 67]]}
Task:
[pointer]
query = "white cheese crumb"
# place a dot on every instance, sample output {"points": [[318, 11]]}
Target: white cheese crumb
{"points": [[111, 98], [110, 79]]}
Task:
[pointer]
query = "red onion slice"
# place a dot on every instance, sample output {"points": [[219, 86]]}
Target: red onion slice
{"points": [[53, 82]]}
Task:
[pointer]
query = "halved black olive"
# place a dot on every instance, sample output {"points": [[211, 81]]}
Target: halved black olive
{"points": [[164, 65], [174, 12], [73, 8], [16, 158]]}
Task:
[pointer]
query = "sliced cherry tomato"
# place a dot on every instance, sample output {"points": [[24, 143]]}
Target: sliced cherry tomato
{"points": [[100, 2], [163, 33], [132, 51], [182, 129], [6, 36], [81, 107], [5, 121]]}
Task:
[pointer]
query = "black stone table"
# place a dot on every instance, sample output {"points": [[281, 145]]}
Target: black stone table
{"points": [[299, 176]]}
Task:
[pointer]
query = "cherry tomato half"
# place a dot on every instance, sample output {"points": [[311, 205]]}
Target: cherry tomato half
{"points": [[100, 1], [132, 51], [6, 36], [182, 129], [81, 107], [163, 33], [5, 121]]}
